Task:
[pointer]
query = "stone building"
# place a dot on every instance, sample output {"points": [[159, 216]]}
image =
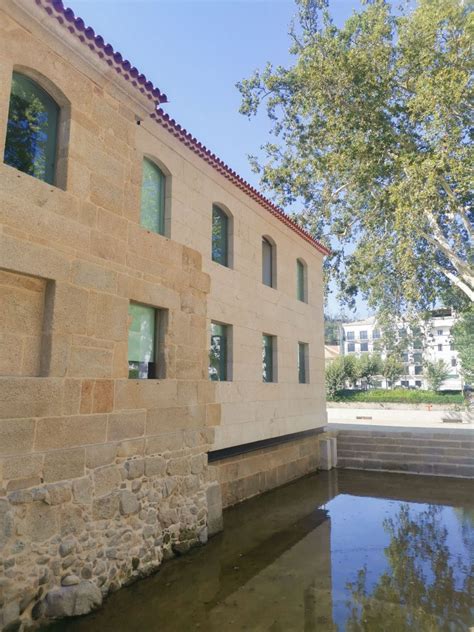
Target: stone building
{"points": [[157, 314]]}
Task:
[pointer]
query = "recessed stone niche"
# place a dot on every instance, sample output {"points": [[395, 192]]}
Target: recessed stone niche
{"points": [[22, 300]]}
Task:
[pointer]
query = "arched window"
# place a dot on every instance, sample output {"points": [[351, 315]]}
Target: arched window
{"points": [[32, 129], [220, 236], [152, 214], [301, 281], [268, 262]]}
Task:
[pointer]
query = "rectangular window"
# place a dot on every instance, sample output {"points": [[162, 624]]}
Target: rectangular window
{"points": [[402, 332], [418, 383], [267, 263], [364, 346], [376, 334], [404, 357], [268, 351], [440, 347], [350, 347], [363, 335], [145, 338], [417, 343], [417, 358], [418, 370], [220, 236], [454, 362], [405, 383], [451, 346], [303, 363], [350, 335], [440, 332], [219, 352], [301, 281]]}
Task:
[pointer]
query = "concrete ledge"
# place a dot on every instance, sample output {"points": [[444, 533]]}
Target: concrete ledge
{"points": [[443, 452]]}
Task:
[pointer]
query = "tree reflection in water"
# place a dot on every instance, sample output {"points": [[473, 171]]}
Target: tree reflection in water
{"points": [[426, 589]]}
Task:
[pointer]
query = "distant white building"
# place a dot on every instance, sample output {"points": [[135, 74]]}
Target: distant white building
{"points": [[362, 336]]}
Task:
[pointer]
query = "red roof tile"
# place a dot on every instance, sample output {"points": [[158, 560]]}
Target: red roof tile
{"points": [[77, 27]]}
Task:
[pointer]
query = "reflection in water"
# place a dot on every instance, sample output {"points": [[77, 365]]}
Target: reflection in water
{"points": [[426, 587], [332, 552]]}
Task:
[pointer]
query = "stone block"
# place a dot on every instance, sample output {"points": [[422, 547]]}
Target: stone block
{"points": [[40, 521], [99, 455], [325, 454], [88, 362], [126, 425], [89, 275], [105, 507], [132, 447], [155, 466], [106, 479], [103, 396], [179, 467], [68, 432], [16, 435], [30, 397], [112, 317], [64, 464], [82, 491], [333, 441], [134, 468], [71, 521], [128, 503], [21, 467], [58, 493], [70, 309], [69, 601]]}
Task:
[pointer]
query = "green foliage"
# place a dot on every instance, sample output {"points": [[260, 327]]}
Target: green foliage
{"points": [[424, 587], [436, 373], [463, 338], [335, 376], [371, 127], [398, 396], [392, 368], [368, 366]]}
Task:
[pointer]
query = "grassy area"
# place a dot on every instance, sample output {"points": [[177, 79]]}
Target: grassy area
{"points": [[400, 395]]}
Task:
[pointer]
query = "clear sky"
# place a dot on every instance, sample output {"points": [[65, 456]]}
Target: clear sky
{"points": [[195, 51]]}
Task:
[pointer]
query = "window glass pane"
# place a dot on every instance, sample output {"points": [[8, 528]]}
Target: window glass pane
{"points": [[141, 341], [32, 125], [300, 273], [218, 353], [267, 265], [267, 358], [350, 335], [363, 335], [376, 334], [351, 347], [302, 361], [364, 346], [220, 232], [152, 214]]}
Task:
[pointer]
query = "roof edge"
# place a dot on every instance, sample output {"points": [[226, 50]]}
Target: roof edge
{"points": [[96, 43], [164, 119]]}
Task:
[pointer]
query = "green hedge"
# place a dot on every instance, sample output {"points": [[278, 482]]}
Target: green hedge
{"points": [[400, 395]]}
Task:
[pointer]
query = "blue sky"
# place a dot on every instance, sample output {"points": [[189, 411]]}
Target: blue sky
{"points": [[195, 51]]}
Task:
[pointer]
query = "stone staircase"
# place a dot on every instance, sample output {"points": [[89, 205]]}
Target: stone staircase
{"points": [[439, 452]]}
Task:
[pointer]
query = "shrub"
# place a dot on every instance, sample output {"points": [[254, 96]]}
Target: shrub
{"points": [[335, 376], [436, 373], [400, 396]]}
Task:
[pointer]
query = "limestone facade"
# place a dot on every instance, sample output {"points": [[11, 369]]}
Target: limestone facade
{"points": [[103, 476]]}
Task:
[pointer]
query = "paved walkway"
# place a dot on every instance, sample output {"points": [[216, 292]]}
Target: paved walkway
{"points": [[397, 425]]}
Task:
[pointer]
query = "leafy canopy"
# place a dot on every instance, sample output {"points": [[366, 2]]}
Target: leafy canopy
{"points": [[371, 129]]}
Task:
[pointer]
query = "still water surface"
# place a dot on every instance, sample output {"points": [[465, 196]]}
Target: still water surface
{"points": [[338, 551]]}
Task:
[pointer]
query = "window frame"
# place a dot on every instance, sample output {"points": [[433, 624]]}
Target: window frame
{"points": [[217, 209], [301, 280], [272, 346], [163, 195], [62, 128], [349, 344], [303, 363], [156, 368], [267, 242], [225, 362], [350, 335]]}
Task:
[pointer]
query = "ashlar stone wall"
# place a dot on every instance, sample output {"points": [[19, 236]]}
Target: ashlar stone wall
{"points": [[101, 476]]}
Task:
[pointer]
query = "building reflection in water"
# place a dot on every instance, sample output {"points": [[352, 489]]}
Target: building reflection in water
{"points": [[332, 552]]}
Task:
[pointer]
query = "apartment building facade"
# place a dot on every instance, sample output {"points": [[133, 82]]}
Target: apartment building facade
{"points": [[433, 343], [158, 313]]}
